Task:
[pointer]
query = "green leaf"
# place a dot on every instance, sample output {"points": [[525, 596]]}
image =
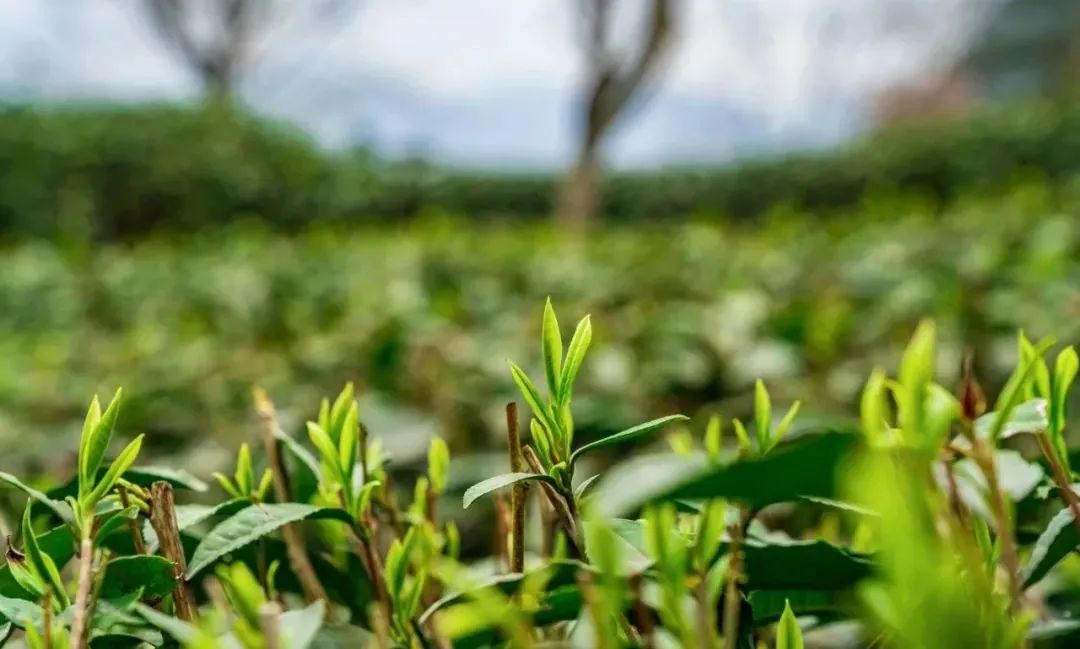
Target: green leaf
{"points": [[1055, 543], [303, 455], [58, 543], [873, 408], [785, 423], [299, 628], [806, 466], [536, 403], [1014, 391], [245, 472], [788, 564], [788, 633], [438, 464], [628, 435], [552, 350], [42, 563], [321, 439], [762, 415], [116, 469], [1028, 417], [174, 627], [155, 575], [555, 574], [144, 476], [20, 612], [97, 444], [349, 442], [575, 355], [580, 490], [249, 525], [769, 605], [344, 403], [500, 481], [60, 508]]}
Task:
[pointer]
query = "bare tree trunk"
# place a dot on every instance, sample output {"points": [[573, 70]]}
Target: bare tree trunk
{"points": [[579, 196], [613, 84]]}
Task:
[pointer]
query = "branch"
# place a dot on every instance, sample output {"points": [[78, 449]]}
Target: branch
{"points": [[294, 540], [163, 520]]}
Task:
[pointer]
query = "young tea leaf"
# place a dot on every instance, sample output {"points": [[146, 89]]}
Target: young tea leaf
{"points": [[788, 633], [251, 524], [628, 435], [552, 352], [500, 481], [575, 354]]}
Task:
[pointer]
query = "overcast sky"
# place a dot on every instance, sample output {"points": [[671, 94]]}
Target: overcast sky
{"points": [[493, 82]]}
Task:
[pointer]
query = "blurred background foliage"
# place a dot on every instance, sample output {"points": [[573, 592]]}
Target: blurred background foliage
{"points": [[189, 251]]}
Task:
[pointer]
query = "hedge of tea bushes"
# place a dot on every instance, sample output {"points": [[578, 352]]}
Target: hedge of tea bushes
{"points": [[423, 317], [106, 173]]}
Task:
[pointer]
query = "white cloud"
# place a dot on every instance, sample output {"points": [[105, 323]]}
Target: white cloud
{"points": [[798, 69]]}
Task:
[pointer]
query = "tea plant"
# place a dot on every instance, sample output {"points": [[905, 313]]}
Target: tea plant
{"points": [[930, 523]]}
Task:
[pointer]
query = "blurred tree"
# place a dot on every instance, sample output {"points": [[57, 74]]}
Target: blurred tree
{"points": [[216, 38], [614, 76]]}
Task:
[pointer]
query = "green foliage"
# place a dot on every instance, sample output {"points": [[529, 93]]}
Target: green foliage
{"points": [[108, 173], [925, 530]]}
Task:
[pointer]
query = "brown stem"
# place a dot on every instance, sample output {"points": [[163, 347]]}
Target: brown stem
{"points": [[295, 546], [732, 598], [984, 458], [706, 619], [1061, 479], [133, 523], [268, 624], [79, 627], [563, 505], [643, 618], [502, 532], [362, 546], [163, 520], [517, 505], [47, 606]]}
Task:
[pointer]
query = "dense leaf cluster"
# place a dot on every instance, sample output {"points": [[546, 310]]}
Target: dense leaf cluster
{"points": [[941, 520]]}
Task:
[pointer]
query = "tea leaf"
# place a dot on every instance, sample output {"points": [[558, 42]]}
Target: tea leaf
{"points": [[1055, 543], [116, 469], [536, 403], [1028, 417], [251, 524], [628, 435], [788, 633], [151, 573], [804, 467], [552, 352], [762, 415], [299, 627], [20, 612], [42, 563], [60, 508], [97, 443], [575, 355], [500, 481]]}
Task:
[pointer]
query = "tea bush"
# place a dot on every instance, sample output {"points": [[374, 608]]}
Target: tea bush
{"points": [[690, 316], [940, 520], [109, 173]]}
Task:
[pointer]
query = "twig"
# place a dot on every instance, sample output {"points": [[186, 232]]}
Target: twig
{"points": [[163, 520], [643, 618], [362, 546], [133, 523], [502, 532], [268, 623], [732, 598], [46, 606], [294, 540], [518, 495], [562, 505], [984, 458], [1060, 478], [79, 626]]}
